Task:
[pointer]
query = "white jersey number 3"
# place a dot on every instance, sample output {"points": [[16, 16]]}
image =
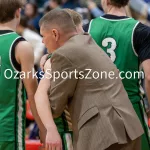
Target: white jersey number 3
{"points": [[110, 50]]}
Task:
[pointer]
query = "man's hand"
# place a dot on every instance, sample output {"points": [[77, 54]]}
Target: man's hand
{"points": [[42, 62], [53, 140]]}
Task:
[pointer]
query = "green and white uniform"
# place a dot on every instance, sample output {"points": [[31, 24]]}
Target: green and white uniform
{"points": [[115, 37], [12, 98]]}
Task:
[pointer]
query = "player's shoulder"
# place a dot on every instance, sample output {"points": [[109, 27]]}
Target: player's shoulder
{"points": [[142, 30], [144, 26], [23, 45], [23, 49]]}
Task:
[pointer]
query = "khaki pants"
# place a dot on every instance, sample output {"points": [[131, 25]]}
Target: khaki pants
{"points": [[131, 145]]}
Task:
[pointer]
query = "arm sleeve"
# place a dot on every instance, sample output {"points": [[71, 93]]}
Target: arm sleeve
{"points": [[141, 40]]}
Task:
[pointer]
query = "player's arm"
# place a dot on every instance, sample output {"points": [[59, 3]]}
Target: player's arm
{"points": [[25, 57], [146, 67], [44, 110], [142, 48]]}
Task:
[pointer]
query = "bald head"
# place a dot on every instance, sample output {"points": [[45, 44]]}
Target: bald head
{"points": [[58, 18]]}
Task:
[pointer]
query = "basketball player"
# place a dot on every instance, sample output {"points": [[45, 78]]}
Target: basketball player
{"points": [[127, 43], [16, 56]]}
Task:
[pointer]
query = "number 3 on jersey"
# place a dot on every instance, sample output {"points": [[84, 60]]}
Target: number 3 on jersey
{"points": [[110, 50]]}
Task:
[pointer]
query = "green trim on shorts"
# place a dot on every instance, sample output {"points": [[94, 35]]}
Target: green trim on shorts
{"points": [[20, 118], [23, 119], [16, 119]]}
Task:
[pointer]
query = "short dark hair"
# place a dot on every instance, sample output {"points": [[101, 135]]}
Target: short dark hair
{"points": [[119, 3], [58, 17], [8, 9]]}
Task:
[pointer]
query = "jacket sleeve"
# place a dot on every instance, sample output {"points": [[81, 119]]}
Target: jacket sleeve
{"points": [[63, 83]]}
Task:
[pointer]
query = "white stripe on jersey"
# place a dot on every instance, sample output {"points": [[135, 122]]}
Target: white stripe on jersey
{"points": [[20, 113], [132, 39], [10, 53]]}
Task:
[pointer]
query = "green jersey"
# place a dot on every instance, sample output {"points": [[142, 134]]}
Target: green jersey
{"points": [[115, 37], [12, 95]]}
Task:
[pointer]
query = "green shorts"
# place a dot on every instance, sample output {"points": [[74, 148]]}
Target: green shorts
{"points": [[11, 146], [67, 140]]}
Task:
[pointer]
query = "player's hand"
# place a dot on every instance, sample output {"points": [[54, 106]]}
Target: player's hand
{"points": [[53, 140], [42, 62]]}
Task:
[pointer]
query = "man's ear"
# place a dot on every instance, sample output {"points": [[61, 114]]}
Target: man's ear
{"points": [[55, 34], [17, 13]]}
